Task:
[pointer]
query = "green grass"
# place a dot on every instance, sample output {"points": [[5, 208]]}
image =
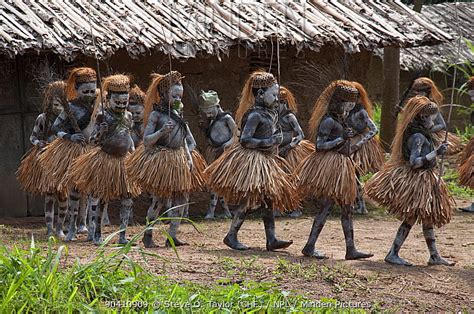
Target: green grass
{"points": [[451, 177], [37, 280]]}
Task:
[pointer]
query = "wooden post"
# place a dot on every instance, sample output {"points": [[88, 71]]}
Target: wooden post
{"points": [[418, 5], [390, 97]]}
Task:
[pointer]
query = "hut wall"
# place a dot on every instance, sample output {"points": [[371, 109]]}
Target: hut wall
{"points": [[21, 100]]}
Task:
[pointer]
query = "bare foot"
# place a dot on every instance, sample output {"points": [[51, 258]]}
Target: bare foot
{"points": [[396, 260], [278, 244], [314, 254], [354, 254], [234, 244], [438, 260]]}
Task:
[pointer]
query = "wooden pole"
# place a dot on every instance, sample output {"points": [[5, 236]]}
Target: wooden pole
{"points": [[391, 87], [390, 97]]}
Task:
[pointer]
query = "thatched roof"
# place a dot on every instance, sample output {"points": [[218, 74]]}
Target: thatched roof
{"points": [[444, 16], [185, 27]]}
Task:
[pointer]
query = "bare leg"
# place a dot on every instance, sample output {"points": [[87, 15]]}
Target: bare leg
{"points": [[348, 229], [435, 258], [272, 242], [105, 215], [392, 256], [318, 224], [125, 210], [227, 213], [176, 213], [131, 219], [153, 211], [98, 224], [239, 217], [49, 213], [212, 206], [360, 207], [83, 209], [62, 210], [93, 207], [73, 211]]}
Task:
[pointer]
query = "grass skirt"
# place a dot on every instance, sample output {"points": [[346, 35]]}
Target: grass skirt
{"points": [[454, 142], [330, 175], [241, 173], [164, 172], [298, 153], [369, 158], [56, 160], [412, 195], [466, 172], [467, 152], [199, 165], [31, 176], [103, 176]]}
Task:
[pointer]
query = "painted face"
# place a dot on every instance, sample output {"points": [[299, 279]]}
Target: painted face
{"points": [[118, 102], [270, 96], [211, 112], [57, 106], [427, 121], [423, 91], [346, 108], [137, 112], [86, 91]]}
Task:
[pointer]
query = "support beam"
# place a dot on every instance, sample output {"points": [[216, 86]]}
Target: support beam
{"points": [[390, 98]]}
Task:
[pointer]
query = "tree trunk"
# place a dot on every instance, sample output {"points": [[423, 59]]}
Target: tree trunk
{"points": [[390, 98]]}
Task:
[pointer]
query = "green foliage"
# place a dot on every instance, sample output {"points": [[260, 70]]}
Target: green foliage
{"points": [[451, 177], [377, 114], [466, 134], [37, 280]]}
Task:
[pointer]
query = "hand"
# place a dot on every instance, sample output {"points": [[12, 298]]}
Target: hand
{"points": [[295, 142], [355, 148], [41, 144], [78, 138], [277, 138], [167, 127], [348, 133], [104, 127], [441, 150], [345, 149]]}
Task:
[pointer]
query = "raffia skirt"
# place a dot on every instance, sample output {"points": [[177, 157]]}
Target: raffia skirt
{"points": [[241, 173], [298, 153], [31, 176], [454, 142], [56, 161], [466, 172], [164, 172], [415, 196], [369, 158], [103, 176], [328, 175]]}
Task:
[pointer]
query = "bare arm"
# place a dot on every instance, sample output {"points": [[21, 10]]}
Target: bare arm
{"points": [[232, 127], [190, 141], [439, 123], [322, 141], [417, 160], [150, 137], [367, 135], [246, 137], [297, 128], [59, 125], [40, 125]]}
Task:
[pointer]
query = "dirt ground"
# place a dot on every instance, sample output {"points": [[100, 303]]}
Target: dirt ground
{"points": [[207, 260]]}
